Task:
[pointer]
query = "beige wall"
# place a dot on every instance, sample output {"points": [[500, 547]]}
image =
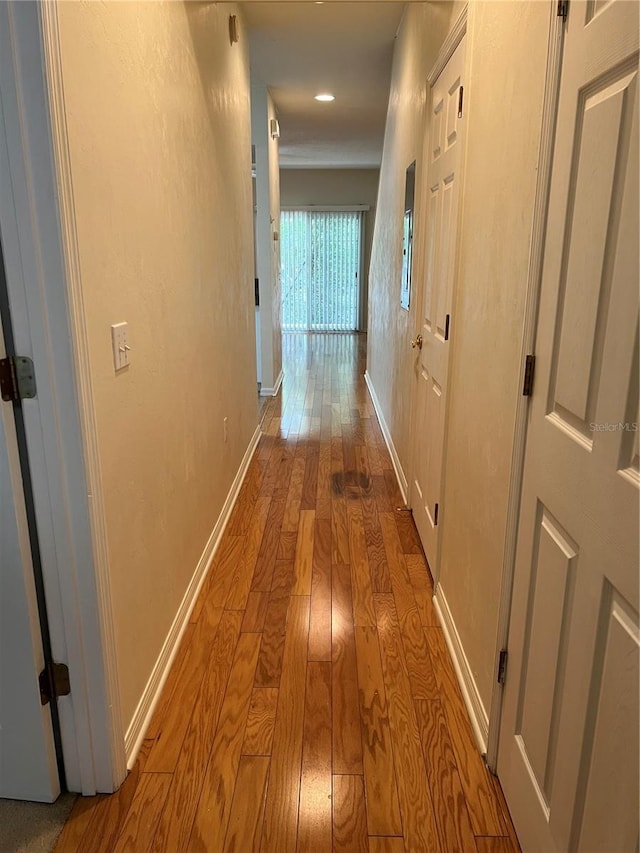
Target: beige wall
{"points": [[267, 226], [508, 45], [336, 186], [506, 53], [159, 127], [389, 357]]}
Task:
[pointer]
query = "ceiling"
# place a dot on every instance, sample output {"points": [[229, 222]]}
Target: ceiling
{"points": [[299, 49]]}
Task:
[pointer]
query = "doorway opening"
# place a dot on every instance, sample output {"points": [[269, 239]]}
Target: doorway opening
{"points": [[321, 262]]}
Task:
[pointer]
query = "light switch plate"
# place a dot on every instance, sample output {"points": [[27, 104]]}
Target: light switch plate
{"points": [[120, 344]]}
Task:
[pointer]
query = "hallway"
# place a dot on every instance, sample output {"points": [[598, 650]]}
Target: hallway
{"points": [[312, 704]]}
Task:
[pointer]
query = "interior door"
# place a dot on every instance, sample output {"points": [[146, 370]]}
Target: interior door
{"points": [[436, 322], [28, 769], [568, 757]]}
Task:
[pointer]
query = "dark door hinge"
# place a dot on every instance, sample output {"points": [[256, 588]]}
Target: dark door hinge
{"points": [[447, 322], [460, 99], [563, 9], [54, 682], [529, 370], [435, 515], [502, 666], [17, 379]]}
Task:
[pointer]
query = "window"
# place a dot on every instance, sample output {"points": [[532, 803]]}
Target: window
{"points": [[320, 256]]}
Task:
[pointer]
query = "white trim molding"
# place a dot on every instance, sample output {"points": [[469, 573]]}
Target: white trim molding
{"points": [[453, 39], [395, 459], [143, 713], [273, 392], [79, 341], [327, 208], [468, 687]]}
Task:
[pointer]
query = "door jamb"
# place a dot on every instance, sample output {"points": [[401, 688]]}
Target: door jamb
{"points": [[455, 35], [45, 293], [532, 298]]}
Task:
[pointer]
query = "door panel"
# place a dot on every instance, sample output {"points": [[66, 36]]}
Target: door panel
{"points": [[28, 768], [568, 758], [609, 772], [552, 581], [443, 177]]}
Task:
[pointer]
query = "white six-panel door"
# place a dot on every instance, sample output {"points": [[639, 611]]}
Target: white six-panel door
{"points": [[568, 756], [443, 179]]}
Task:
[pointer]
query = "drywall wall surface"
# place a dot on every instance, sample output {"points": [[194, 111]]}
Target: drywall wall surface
{"points": [[274, 206], [389, 355], [267, 233], [302, 187], [158, 115], [507, 48]]}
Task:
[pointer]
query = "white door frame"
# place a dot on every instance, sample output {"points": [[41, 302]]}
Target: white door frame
{"points": [[532, 298], [45, 295], [457, 32]]}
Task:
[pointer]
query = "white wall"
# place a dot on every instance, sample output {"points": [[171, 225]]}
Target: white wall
{"points": [[506, 50], [267, 227], [158, 116], [336, 186]]}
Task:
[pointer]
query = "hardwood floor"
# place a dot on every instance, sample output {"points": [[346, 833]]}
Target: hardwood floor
{"points": [[313, 705]]}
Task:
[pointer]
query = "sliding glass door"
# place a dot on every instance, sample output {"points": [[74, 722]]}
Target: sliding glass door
{"points": [[320, 256]]}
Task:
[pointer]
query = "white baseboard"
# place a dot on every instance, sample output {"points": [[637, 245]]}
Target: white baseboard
{"points": [[146, 706], [470, 694], [395, 459], [273, 392]]}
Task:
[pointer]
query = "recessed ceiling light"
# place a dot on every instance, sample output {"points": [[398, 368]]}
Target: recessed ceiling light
{"points": [[325, 97]]}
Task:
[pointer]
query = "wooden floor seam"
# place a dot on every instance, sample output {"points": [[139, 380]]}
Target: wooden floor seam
{"points": [[313, 704]]}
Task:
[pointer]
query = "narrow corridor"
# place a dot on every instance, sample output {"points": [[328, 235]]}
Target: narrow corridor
{"points": [[312, 704]]}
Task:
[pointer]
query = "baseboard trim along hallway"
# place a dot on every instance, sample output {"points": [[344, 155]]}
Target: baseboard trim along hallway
{"points": [[144, 712], [468, 687], [272, 392], [393, 453]]}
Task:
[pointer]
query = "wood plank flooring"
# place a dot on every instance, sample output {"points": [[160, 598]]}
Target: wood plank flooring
{"points": [[313, 705]]}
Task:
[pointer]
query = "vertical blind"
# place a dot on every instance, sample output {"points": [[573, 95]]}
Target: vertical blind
{"points": [[320, 257]]}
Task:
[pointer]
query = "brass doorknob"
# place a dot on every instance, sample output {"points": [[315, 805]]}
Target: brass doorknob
{"points": [[417, 342]]}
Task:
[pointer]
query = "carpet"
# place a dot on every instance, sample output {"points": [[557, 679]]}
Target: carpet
{"points": [[32, 827]]}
